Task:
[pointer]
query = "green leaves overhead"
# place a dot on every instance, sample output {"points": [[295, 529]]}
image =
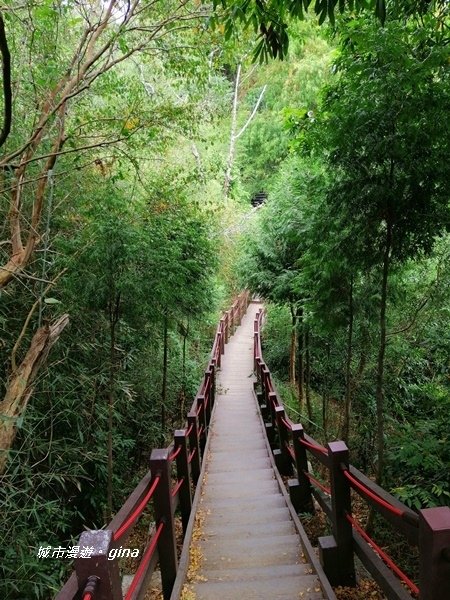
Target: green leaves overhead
{"points": [[270, 18], [358, 205]]}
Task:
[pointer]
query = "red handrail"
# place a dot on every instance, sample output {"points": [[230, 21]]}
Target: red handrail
{"points": [[177, 487], [144, 562], [313, 446], [317, 483], [385, 557], [365, 491], [286, 423], [291, 452], [175, 453], [137, 512]]}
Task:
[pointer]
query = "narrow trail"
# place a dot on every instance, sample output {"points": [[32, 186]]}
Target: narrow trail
{"points": [[245, 541]]}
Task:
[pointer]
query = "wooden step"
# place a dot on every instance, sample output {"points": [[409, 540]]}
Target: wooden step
{"points": [[286, 588], [246, 538]]}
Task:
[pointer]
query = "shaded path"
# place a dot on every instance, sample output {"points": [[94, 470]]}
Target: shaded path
{"points": [[246, 542]]}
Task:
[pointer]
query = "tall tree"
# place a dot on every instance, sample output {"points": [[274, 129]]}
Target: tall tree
{"points": [[61, 53], [391, 187]]}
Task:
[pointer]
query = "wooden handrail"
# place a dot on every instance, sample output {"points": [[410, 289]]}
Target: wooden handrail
{"points": [[429, 529], [186, 453]]}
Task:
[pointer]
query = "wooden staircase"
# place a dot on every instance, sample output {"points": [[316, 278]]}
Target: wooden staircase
{"points": [[247, 540]]}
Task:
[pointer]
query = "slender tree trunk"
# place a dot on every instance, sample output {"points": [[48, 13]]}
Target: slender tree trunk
{"points": [[381, 353], [348, 367], [308, 374], [326, 394], [233, 135], [21, 383], [164, 378], [114, 309], [300, 361], [293, 348], [183, 374], [232, 148]]}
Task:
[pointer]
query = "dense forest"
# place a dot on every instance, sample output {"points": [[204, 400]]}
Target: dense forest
{"points": [[134, 137]]}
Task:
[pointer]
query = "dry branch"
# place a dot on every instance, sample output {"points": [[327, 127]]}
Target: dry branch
{"points": [[21, 383]]}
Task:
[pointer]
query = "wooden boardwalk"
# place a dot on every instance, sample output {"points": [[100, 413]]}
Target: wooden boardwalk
{"points": [[246, 541]]}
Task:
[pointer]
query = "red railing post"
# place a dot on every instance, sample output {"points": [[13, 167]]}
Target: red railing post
{"points": [[241, 308], [434, 553], [300, 489], [164, 512], [207, 395], [95, 546], [255, 344], [194, 446], [336, 551], [202, 422], [212, 385], [227, 326], [183, 472], [283, 459], [221, 338], [269, 399]]}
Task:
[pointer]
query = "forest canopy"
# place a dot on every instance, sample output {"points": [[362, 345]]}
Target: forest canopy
{"points": [[134, 137]]}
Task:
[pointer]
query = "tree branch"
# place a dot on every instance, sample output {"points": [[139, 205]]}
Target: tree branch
{"points": [[249, 120], [28, 319]]}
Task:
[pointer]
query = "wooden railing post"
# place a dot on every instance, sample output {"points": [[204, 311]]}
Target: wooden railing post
{"points": [[183, 472], [221, 336], [300, 489], [269, 399], [255, 344], [212, 387], [221, 350], [202, 422], [96, 565], [164, 512], [227, 326], [336, 551], [194, 446], [434, 553], [234, 316], [283, 459], [207, 393], [241, 308]]}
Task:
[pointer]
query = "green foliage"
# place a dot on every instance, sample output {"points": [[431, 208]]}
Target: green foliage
{"points": [[270, 20], [368, 156], [129, 239], [291, 84]]}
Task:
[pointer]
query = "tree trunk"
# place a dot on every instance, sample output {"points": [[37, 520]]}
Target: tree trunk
{"points": [[326, 393], [308, 374], [181, 407], [20, 385], [381, 354], [300, 361], [164, 378], [233, 135], [348, 368], [114, 311], [293, 348], [232, 148]]}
